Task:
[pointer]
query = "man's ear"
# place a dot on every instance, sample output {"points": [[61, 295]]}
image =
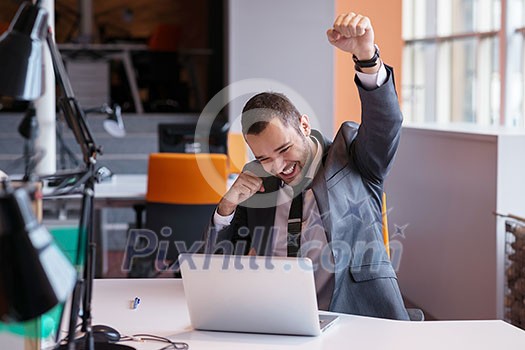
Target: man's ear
{"points": [[304, 125]]}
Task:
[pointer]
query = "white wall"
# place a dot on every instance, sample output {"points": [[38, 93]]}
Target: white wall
{"points": [[445, 186], [284, 41]]}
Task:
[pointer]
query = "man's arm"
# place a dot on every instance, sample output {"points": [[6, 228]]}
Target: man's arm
{"points": [[244, 187], [222, 237], [374, 147], [378, 137], [229, 216]]}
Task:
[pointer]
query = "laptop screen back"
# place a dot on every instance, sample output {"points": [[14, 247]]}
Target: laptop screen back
{"points": [[250, 294]]}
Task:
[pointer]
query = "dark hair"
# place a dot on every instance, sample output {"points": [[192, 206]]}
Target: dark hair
{"points": [[263, 107]]}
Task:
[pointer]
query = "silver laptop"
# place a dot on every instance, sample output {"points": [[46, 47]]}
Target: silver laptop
{"points": [[252, 294]]}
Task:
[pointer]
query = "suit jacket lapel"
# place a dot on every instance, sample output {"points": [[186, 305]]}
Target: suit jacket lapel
{"points": [[319, 187], [321, 197]]}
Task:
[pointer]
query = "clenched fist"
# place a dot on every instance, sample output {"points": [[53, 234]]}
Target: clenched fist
{"points": [[246, 185], [353, 33]]}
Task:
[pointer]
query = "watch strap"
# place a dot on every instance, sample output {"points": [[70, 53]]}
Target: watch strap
{"points": [[367, 63]]}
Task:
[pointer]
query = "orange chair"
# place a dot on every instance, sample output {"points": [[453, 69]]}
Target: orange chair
{"points": [[386, 238], [186, 178], [237, 152], [182, 193]]}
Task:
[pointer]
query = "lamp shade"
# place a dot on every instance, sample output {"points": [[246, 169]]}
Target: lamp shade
{"points": [[114, 125], [21, 52], [34, 274]]}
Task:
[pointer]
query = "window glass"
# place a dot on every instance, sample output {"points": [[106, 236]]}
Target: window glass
{"points": [[463, 69], [451, 70], [416, 93]]}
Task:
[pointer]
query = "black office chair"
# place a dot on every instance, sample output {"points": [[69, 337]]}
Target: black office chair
{"points": [[183, 191]]}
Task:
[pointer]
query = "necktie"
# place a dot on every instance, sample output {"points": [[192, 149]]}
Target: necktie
{"points": [[294, 225]]}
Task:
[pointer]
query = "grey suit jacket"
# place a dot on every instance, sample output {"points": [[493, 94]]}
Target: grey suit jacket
{"points": [[348, 189]]}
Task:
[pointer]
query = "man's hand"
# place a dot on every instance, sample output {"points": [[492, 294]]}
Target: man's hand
{"points": [[353, 33], [246, 185]]}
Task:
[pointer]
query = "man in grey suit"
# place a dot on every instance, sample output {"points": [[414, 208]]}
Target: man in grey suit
{"points": [[307, 196]]}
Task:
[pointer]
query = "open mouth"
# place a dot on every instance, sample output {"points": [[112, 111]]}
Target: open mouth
{"points": [[289, 172]]}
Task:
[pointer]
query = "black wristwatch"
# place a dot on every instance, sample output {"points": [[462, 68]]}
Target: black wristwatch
{"points": [[366, 63]]}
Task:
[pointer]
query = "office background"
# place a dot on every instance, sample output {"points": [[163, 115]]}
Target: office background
{"points": [[447, 181]]}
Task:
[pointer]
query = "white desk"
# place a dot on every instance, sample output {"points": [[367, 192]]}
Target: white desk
{"points": [[163, 311], [121, 190]]}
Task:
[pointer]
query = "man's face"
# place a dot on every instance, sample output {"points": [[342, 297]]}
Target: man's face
{"points": [[282, 150]]}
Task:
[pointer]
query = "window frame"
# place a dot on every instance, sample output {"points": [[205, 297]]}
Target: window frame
{"points": [[438, 105]]}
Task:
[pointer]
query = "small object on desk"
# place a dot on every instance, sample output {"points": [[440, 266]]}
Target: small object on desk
{"points": [[135, 303]]}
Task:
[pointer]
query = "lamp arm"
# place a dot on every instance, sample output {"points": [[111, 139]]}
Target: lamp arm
{"points": [[73, 114], [76, 120]]}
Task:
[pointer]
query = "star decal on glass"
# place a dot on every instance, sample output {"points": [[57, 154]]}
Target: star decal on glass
{"points": [[354, 209], [293, 239], [400, 231]]}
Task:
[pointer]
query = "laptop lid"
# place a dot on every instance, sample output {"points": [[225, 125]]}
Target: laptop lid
{"points": [[250, 294]]}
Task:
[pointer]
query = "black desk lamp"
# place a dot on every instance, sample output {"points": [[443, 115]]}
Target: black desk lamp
{"points": [[21, 60], [34, 274], [21, 76]]}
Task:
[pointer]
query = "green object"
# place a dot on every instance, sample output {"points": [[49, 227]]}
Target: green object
{"points": [[41, 327], [66, 238]]}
